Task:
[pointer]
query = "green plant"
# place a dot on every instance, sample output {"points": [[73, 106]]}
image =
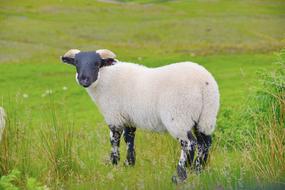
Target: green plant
{"points": [[9, 181], [33, 184], [12, 179], [266, 113]]}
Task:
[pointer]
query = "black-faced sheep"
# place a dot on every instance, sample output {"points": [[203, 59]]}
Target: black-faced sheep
{"points": [[180, 98]]}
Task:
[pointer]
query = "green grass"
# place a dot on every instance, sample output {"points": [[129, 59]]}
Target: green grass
{"points": [[56, 135]]}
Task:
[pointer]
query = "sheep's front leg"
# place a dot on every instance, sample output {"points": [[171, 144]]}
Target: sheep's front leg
{"points": [[129, 136], [115, 136]]}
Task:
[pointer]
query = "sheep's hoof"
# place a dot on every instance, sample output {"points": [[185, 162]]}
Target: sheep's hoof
{"points": [[129, 163], [176, 180], [131, 159], [114, 158], [182, 175], [181, 172]]}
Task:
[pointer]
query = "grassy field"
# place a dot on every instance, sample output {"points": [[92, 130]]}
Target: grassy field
{"points": [[56, 136]]}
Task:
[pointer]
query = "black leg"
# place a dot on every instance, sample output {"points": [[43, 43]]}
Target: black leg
{"points": [[129, 136], [204, 143], [191, 149], [115, 135]]}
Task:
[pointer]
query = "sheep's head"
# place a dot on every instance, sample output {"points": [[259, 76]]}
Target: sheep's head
{"points": [[88, 64]]}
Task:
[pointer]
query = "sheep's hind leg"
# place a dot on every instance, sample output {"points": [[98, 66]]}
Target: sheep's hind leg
{"points": [[204, 143], [181, 167], [191, 149], [115, 136], [129, 136]]}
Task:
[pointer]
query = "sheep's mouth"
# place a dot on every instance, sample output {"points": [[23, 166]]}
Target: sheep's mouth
{"points": [[85, 85]]}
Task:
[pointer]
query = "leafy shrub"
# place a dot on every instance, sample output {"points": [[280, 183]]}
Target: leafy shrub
{"points": [[11, 182], [8, 182]]}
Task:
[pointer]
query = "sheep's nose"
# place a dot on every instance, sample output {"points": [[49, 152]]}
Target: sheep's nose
{"points": [[85, 81]]}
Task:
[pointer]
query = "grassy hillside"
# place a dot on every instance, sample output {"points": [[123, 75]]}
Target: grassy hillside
{"points": [[57, 136]]}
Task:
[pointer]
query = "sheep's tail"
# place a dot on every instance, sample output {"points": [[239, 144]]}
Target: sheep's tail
{"points": [[210, 107], [2, 121]]}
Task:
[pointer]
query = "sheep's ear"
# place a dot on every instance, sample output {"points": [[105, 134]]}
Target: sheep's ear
{"points": [[106, 54], [69, 56]]}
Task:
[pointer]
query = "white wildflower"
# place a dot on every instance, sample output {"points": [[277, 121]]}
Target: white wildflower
{"points": [[49, 91]]}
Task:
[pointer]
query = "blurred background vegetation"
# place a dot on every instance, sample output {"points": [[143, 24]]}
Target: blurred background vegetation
{"points": [[55, 136]]}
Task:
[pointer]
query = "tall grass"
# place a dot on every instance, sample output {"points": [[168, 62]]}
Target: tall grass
{"points": [[267, 114], [15, 143], [57, 145], [47, 151]]}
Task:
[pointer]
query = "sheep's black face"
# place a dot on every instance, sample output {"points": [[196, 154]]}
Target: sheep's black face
{"points": [[87, 67]]}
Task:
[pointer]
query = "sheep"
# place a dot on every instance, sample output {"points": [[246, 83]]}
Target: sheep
{"points": [[181, 98], [2, 121]]}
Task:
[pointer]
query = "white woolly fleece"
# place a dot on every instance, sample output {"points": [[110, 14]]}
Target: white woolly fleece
{"points": [[2, 121], [172, 97]]}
